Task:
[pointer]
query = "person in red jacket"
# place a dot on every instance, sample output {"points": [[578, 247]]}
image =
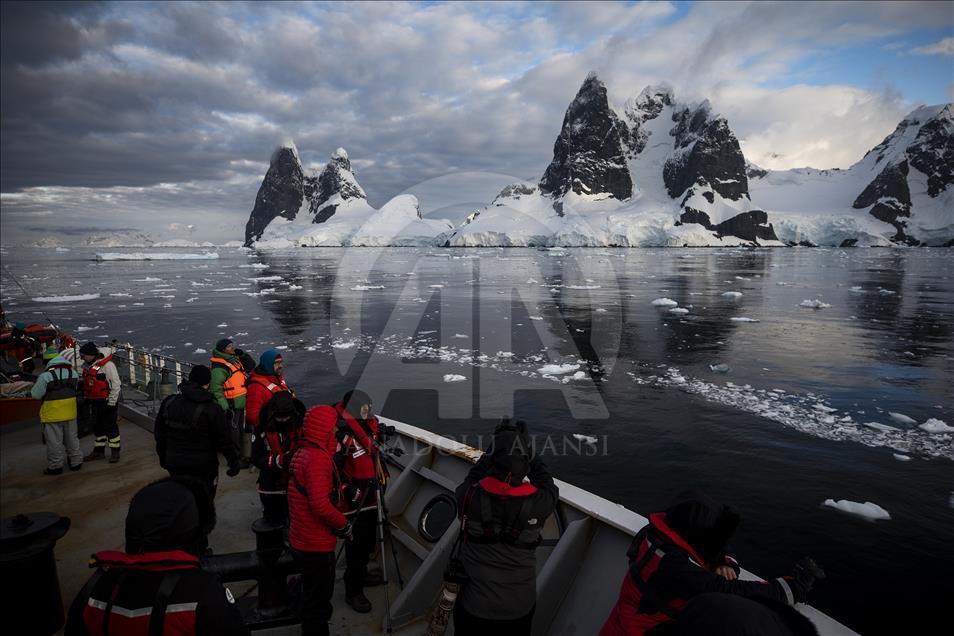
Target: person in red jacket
{"points": [[265, 381], [358, 438], [314, 521], [680, 554]]}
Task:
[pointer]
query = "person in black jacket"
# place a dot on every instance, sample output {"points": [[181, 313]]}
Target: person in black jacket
{"points": [[502, 517], [191, 431], [157, 585], [273, 443]]}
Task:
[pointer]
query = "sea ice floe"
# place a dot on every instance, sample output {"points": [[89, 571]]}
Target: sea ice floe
{"points": [[348, 344], [589, 439], [557, 369], [200, 351], [935, 425], [158, 256], [453, 377], [720, 368], [366, 287], [255, 266], [857, 289], [665, 302], [866, 510], [743, 319], [675, 310], [900, 457], [732, 295], [814, 304], [65, 299], [901, 418]]}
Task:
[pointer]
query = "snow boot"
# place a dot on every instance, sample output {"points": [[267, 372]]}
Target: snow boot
{"points": [[53, 471], [98, 452], [113, 455], [359, 603]]}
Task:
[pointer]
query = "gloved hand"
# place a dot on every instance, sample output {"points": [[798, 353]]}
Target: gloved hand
{"points": [[805, 574], [233, 470], [346, 533], [353, 494]]}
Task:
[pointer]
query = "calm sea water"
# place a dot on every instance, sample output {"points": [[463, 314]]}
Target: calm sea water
{"points": [[764, 403]]}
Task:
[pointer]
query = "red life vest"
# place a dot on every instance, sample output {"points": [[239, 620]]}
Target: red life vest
{"points": [[94, 386], [271, 386]]}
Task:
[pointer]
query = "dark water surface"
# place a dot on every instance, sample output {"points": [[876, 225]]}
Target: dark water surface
{"points": [[570, 341]]}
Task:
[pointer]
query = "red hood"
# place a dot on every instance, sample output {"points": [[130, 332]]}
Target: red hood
{"points": [[658, 521], [152, 561], [500, 488], [319, 427]]}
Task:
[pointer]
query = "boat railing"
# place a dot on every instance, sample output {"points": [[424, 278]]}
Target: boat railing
{"points": [[153, 374]]}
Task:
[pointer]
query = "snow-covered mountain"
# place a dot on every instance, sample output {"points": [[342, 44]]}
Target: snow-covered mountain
{"points": [[331, 209], [658, 173], [900, 192]]}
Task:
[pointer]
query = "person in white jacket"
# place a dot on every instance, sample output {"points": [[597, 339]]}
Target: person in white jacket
{"points": [[102, 387]]}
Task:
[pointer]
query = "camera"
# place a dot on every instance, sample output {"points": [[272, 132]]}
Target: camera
{"points": [[385, 431]]}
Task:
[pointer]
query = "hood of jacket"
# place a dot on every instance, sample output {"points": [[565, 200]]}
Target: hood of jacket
{"points": [[195, 392], [319, 428], [703, 523], [59, 359]]}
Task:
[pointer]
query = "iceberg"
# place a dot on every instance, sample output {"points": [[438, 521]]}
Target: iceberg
{"points": [[157, 256], [866, 510]]}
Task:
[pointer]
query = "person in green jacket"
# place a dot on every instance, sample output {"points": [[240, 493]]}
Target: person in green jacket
{"points": [[230, 367], [57, 387]]}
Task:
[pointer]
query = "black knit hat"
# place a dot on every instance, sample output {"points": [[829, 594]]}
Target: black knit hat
{"points": [[704, 523], [354, 400], [89, 349], [200, 374], [174, 513], [510, 453], [221, 344], [283, 404]]}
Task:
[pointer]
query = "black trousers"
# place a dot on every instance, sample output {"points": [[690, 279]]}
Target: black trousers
{"points": [[105, 424], [358, 551], [466, 624], [275, 508], [209, 477], [317, 586]]}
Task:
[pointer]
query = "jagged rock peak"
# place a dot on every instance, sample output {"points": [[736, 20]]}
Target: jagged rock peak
{"points": [[280, 194], [648, 103], [588, 154], [707, 153], [335, 184]]}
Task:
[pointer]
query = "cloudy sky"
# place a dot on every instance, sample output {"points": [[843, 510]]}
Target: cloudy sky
{"points": [[154, 116]]}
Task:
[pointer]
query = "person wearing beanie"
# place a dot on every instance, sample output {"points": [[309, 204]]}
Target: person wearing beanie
{"points": [[229, 388], [159, 575], [264, 381], [191, 431], [679, 555], [507, 497], [274, 440], [101, 388]]}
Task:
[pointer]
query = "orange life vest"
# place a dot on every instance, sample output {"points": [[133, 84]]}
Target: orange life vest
{"points": [[234, 386], [94, 386]]}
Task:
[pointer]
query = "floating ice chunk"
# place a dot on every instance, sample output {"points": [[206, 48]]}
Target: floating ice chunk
{"points": [[83, 328], [366, 287], [294, 287], [120, 295], [935, 425], [350, 344], [582, 286], [720, 368], [192, 300], [262, 279], [147, 279], [229, 289], [743, 319], [900, 457], [557, 369], [579, 375], [222, 325], [866, 510], [814, 304], [536, 317], [901, 418], [732, 295], [453, 377], [255, 266], [461, 335], [281, 347], [881, 427], [158, 256], [675, 310], [65, 299], [62, 249], [665, 302], [886, 292], [857, 289], [436, 286], [200, 351], [589, 439]]}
